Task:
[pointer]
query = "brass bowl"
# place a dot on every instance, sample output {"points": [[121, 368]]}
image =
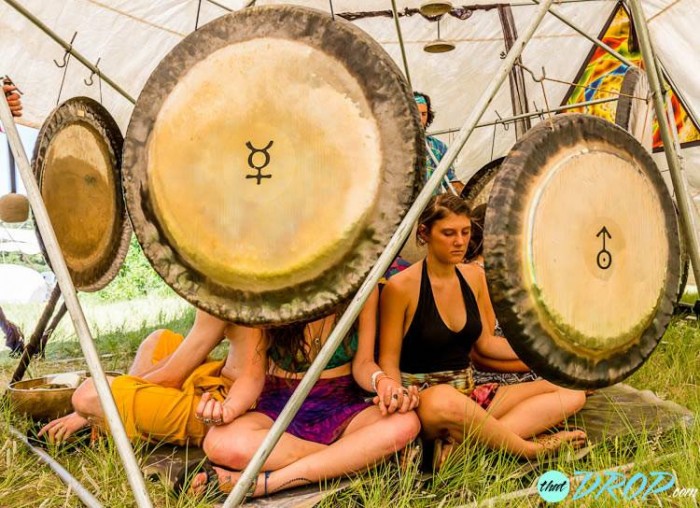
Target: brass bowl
{"points": [[47, 397], [438, 46]]}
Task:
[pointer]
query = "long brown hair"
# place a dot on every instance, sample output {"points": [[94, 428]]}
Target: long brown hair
{"points": [[476, 242], [289, 341], [438, 208]]}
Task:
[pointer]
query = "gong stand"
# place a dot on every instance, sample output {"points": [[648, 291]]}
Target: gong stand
{"points": [[39, 338], [65, 283], [345, 322], [539, 112], [50, 329]]}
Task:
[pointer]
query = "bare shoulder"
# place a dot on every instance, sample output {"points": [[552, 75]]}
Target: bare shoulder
{"points": [[474, 275], [404, 282], [239, 333]]}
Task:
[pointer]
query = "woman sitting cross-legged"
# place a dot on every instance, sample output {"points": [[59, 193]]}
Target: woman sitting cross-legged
{"points": [[157, 401], [335, 432], [487, 369], [431, 318]]}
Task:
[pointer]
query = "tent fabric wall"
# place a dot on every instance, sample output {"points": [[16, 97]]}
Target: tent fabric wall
{"points": [[132, 36]]}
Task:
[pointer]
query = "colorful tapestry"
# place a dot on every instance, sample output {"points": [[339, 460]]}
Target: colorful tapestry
{"points": [[601, 77]]}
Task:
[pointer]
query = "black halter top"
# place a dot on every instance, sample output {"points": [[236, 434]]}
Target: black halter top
{"points": [[429, 345]]}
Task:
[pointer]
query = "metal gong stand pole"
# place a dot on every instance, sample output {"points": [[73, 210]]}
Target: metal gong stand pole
{"points": [[251, 471], [677, 178], [133, 472]]}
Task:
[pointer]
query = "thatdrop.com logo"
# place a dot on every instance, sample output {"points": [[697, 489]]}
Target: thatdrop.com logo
{"points": [[554, 486]]}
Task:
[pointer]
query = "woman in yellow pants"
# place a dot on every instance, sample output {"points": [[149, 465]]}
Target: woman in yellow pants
{"points": [[158, 400]]}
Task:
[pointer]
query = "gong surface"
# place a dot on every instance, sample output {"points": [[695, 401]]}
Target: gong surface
{"points": [[583, 260], [77, 163], [269, 158]]}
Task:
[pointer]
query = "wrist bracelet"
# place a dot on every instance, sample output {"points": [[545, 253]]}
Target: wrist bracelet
{"points": [[379, 378], [373, 379]]}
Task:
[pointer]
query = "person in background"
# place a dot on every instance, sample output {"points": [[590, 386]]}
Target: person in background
{"points": [[13, 98], [436, 148]]}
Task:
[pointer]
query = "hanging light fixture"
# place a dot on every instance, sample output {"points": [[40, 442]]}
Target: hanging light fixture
{"points": [[438, 45], [432, 8]]}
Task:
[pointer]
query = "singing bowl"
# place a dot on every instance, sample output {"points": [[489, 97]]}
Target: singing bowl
{"points": [[77, 164], [582, 246], [269, 159], [47, 397]]}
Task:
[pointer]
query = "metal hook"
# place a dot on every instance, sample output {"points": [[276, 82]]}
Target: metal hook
{"points": [[532, 74], [500, 120], [66, 55], [89, 81]]}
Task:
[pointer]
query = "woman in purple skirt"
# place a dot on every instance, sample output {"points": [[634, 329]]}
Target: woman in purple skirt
{"points": [[335, 432]]}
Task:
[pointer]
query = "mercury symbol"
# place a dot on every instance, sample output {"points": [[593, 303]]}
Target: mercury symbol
{"points": [[251, 160]]}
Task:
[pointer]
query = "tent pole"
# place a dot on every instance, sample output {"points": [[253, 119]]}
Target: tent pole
{"points": [[392, 248], [530, 115], [83, 494], [69, 48], [672, 157], [594, 40], [71, 300]]}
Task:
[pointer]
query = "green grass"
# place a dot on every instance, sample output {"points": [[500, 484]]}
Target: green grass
{"points": [[472, 474]]}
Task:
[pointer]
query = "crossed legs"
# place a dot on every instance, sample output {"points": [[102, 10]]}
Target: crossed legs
{"points": [[517, 413], [369, 438]]}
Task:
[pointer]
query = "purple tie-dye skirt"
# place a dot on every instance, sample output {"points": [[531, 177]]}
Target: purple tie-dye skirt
{"points": [[326, 412]]}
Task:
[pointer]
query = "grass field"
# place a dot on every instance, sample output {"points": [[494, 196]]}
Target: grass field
{"points": [[471, 475]]}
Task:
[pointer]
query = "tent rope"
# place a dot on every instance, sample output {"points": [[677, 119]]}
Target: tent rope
{"points": [[401, 44], [196, 21]]}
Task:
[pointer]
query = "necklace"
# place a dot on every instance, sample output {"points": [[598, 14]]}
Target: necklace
{"points": [[315, 338]]}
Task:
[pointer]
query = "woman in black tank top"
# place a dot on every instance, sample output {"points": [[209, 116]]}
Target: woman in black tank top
{"points": [[431, 318]]}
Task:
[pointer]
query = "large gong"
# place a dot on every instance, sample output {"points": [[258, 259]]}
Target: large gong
{"points": [[583, 254], [77, 164], [269, 158]]}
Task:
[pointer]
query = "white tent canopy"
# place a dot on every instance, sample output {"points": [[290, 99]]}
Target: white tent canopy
{"points": [[130, 37]]}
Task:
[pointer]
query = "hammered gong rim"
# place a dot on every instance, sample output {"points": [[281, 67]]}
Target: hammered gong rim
{"points": [[537, 338], [401, 137], [84, 112]]}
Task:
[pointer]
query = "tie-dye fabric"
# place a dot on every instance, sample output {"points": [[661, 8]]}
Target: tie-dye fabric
{"points": [[326, 412]]}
